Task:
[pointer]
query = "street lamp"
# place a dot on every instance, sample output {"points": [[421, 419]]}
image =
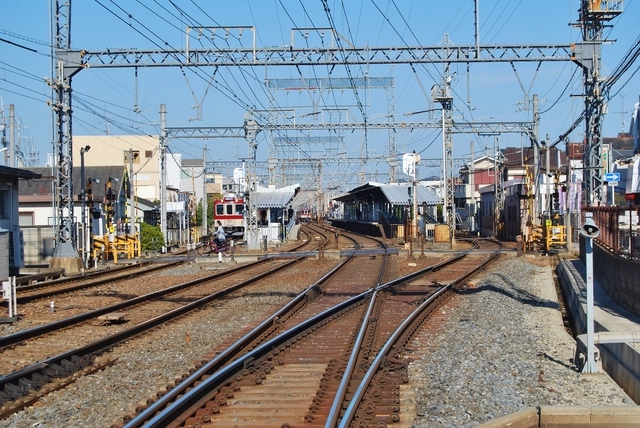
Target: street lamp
{"points": [[83, 150]]}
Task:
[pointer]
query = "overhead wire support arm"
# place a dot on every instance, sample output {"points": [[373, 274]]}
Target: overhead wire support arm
{"points": [[288, 56]]}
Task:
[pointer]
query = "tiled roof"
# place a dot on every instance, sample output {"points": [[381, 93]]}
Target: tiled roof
{"points": [[44, 185]]}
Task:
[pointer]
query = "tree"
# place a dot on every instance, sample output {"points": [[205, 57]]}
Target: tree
{"points": [[151, 238], [210, 211]]}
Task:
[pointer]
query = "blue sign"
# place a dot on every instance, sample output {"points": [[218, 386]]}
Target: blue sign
{"points": [[612, 176]]}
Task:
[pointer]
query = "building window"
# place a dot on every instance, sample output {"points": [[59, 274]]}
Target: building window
{"points": [[26, 218], [4, 202]]}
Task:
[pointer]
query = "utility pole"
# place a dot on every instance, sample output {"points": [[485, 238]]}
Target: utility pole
{"points": [[472, 185], [163, 172], [133, 209], [548, 178], [12, 136], [496, 175], [499, 202], [205, 208], [537, 205], [251, 130]]}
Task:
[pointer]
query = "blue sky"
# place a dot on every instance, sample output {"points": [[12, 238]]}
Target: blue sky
{"points": [[488, 92]]}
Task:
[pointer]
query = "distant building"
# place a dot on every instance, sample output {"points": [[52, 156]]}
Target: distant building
{"points": [[11, 235]]}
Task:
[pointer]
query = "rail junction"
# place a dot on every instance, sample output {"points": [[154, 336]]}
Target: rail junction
{"points": [[333, 339]]}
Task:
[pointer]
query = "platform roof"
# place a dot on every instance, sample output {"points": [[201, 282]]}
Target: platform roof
{"points": [[276, 199], [396, 194]]}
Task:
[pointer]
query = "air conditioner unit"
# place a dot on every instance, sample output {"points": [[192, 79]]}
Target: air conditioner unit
{"points": [[16, 248], [4, 254]]}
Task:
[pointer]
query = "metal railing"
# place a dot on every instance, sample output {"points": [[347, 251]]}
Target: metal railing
{"points": [[619, 229]]}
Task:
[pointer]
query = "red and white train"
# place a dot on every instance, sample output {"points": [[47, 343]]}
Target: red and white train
{"points": [[230, 211], [305, 214]]}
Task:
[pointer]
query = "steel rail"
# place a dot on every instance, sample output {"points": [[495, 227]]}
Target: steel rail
{"points": [[31, 333], [394, 339], [17, 384], [337, 404], [188, 396], [215, 366], [11, 383], [93, 283], [79, 277], [224, 358]]}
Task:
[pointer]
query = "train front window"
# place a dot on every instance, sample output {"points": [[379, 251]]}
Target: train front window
{"points": [[219, 209], [239, 208], [229, 209]]}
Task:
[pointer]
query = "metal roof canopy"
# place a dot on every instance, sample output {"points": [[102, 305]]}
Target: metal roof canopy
{"points": [[278, 199], [396, 194]]}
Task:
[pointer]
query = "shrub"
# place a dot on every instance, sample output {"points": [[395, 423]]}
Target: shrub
{"points": [[151, 238]]}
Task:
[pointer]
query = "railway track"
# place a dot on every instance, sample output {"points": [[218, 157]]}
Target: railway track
{"points": [[73, 341], [327, 366], [48, 289]]}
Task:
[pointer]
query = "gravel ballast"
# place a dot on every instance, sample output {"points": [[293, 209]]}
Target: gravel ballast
{"points": [[503, 348]]}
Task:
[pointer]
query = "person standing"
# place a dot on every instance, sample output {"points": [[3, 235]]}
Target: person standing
{"points": [[290, 214]]}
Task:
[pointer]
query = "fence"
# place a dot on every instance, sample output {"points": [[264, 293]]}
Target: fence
{"points": [[619, 229]]}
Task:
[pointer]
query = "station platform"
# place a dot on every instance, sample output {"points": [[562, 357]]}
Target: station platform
{"points": [[617, 329]]}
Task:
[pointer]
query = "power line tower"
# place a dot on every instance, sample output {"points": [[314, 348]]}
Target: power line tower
{"points": [[592, 18], [66, 64]]}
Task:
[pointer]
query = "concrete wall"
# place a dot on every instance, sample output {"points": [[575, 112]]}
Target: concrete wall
{"points": [[38, 245], [620, 277], [621, 361], [569, 416]]}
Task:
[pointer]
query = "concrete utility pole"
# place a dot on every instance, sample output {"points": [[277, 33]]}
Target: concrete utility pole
{"points": [[537, 205], [12, 136], [251, 129], [547, 178], [205, 203], [590, 231], [163, 172], [85, 235], [131, 195], [472, 185]]}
